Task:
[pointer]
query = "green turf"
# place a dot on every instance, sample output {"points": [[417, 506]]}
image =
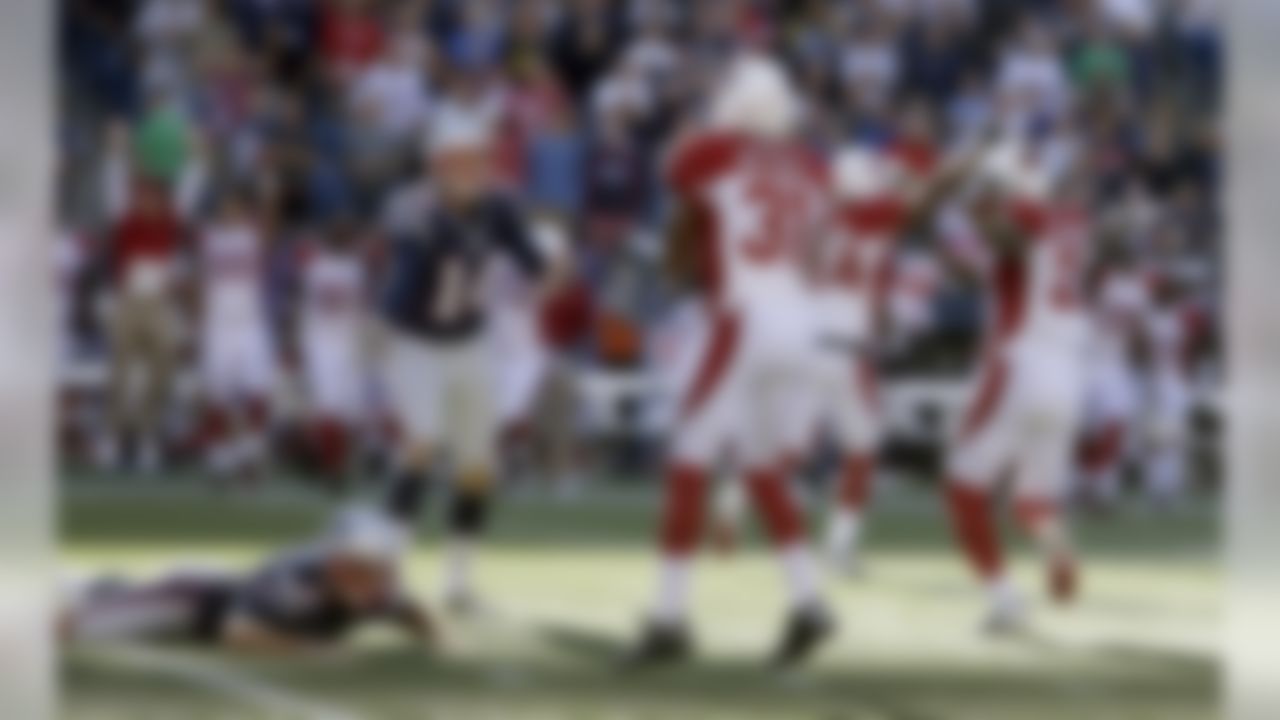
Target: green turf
{"points": [[567, 583]]}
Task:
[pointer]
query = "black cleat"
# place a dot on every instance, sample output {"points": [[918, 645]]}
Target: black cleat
{"points": [[806, 630], [660, 644]]}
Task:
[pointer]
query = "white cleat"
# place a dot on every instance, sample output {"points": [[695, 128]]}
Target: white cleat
{"points": [[1006, 613]]}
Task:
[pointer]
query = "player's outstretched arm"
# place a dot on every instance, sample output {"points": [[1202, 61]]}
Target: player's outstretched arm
{"points": [[925, 196]]}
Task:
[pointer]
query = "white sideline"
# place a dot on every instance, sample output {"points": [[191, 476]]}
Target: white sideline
{"points": [[221, 679]]}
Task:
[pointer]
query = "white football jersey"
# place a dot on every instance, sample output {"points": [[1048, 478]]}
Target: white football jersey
{"points": [[1123, 300], [762, 207], [231, 263], [1035, 296], [333, 289], [855, 267]]}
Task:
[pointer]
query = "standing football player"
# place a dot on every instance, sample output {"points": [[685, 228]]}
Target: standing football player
{"points": [[1121, 300], [750, 201], [1022, 416], [146, 246], [1167, 393], [877, 202], [333, 296], [439, 364], [237, 357]]}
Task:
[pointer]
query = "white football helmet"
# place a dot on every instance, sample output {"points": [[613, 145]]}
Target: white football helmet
{"points": [[861, 173], [366, 533], [1010, 168], [755, 97]]}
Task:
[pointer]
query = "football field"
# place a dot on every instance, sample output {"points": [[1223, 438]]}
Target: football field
{"points": [[566, 583]]}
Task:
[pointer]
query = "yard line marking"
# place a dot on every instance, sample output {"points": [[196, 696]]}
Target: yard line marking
{"points": [[220, 678]]}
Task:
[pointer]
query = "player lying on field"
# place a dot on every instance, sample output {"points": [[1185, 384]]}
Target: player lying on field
{"points": [[304, 598]]}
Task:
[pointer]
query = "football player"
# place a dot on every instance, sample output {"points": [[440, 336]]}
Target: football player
{"points": [[306, 598], [1022, 415], [332, 315], [750, 202], [440, 367], [237, 355]]}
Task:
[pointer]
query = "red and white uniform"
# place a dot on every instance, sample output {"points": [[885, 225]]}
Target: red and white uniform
{"points": [[333, 294], [855, 269], [760, 205], [237, 359], [1122, 302], [1022, 415], [1168, 383]]}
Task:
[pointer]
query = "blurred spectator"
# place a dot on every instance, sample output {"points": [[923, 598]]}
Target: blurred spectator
{"points": [[555, 165], [615, 179], [351, 35], [162, 140], [144, 248], [584, 43]]}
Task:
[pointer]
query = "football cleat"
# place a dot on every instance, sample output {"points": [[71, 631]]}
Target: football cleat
{"points": [[1006, 614], [660, 644], [1064, 580], [805, 631]]}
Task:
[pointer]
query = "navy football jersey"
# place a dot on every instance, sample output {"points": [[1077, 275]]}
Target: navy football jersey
{"points": [[290, 595], [435, 289]]}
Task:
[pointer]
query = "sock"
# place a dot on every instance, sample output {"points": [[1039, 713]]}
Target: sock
{"points": [[776, 507], [728, 508], [331, 444], [671, 604], [1041, 520], [785, 527], [800, 575], [148, 452], [257, 412], [252, 444], [1165, 479], [408, 495], [1101, 459], [843, 532], [250, 448], [468, 517], [213, 439], [845, 529], [683, 509], [975, 529], [855, 481], [681, 528], [1000, 592], [457, 567], [106, 450], [469, 512]]}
